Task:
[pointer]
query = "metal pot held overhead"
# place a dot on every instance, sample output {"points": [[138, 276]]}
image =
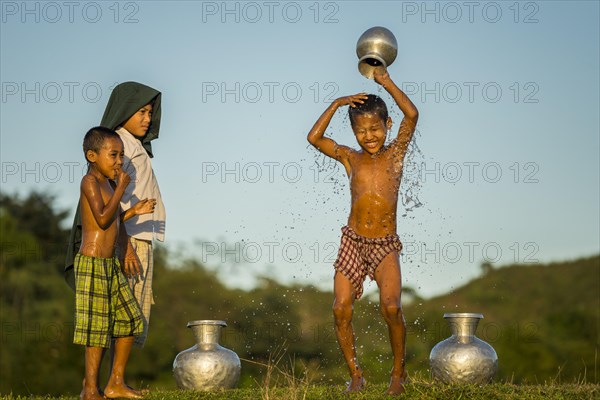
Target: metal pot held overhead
{"points": [[376, 48]]}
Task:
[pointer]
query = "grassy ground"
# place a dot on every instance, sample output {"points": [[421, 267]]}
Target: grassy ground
{"points": [[375, 391], [414, 391], [283, 382]]}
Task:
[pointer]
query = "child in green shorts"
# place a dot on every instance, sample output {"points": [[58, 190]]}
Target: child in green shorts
{"points": [[105, 308]]}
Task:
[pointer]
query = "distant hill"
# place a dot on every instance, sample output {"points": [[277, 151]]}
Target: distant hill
{"points": [[543, 320]]}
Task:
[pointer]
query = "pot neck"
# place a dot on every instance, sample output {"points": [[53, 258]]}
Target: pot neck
{"points": [[463, 325], [206, 333]]}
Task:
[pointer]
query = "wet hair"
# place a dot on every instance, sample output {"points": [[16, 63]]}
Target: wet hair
{"points": [[95, 137], [372, 105]]}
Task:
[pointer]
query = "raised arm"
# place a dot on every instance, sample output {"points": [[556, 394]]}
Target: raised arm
{"points": [[328, 146], [104, 214], [411, 114]]}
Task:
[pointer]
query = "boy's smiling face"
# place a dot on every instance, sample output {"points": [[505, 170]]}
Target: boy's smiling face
{"points": [[109, 159], [370, 131], [139, 122]]}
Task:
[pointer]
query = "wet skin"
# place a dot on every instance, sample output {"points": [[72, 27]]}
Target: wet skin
{"points": [[100, 215], [375, 172], [100, 203]]}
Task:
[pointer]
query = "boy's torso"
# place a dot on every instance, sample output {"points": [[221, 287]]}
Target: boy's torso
{"points": [[95, 241], [374, 185]]}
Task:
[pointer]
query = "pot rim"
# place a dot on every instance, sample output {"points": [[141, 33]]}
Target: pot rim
{"points": [[463, 315], [206, 322], [367, 70], [364, 59]]}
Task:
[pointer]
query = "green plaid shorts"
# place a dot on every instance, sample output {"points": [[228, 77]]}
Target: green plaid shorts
{"points": [[104, 305]]}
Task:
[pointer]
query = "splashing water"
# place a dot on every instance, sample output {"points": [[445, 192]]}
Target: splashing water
{"points": [[410, 186], [329, 170]]}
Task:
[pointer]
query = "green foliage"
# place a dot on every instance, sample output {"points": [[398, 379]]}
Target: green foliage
{"points": [[542, 320], [36, 306]]}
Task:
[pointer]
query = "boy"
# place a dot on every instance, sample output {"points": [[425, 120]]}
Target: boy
{"points": [[369, 244], [134, 111], [105, 308]]}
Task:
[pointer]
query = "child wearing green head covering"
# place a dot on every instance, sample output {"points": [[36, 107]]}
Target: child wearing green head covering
{"points": [[134, 111]]}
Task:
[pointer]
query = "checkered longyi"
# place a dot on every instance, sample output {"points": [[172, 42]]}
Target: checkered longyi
{"points": [[104, 305], [360, 256], [141, 286]]}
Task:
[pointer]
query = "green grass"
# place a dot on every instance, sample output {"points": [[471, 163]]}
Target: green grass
{"points": [[420, 390], [292, 381], [413, 391]]}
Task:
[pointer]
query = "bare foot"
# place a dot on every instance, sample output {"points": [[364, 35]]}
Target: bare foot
{"points": [[143, 392], [100, 392], [90, 394], [356, 384], [123, 392], [396, 387]]}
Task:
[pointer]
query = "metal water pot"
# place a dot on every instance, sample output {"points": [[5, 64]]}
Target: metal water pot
{"points": [[463, 357], [376, 48], [207, 365]]}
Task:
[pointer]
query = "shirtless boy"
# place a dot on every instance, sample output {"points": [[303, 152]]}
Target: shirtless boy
{"points": [[369, 244], [105, 308]]}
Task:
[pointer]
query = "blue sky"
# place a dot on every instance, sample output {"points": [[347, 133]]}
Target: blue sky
{"points": [[508, 94]]}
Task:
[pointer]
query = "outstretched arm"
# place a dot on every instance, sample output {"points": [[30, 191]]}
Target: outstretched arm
{"points": [[145, 206], [411, 114], [328, 146], [129, 263], [104, 214]]}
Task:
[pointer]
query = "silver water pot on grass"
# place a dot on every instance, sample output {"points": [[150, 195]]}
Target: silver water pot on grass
{"points": [[207, 365], [463, 357]]}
